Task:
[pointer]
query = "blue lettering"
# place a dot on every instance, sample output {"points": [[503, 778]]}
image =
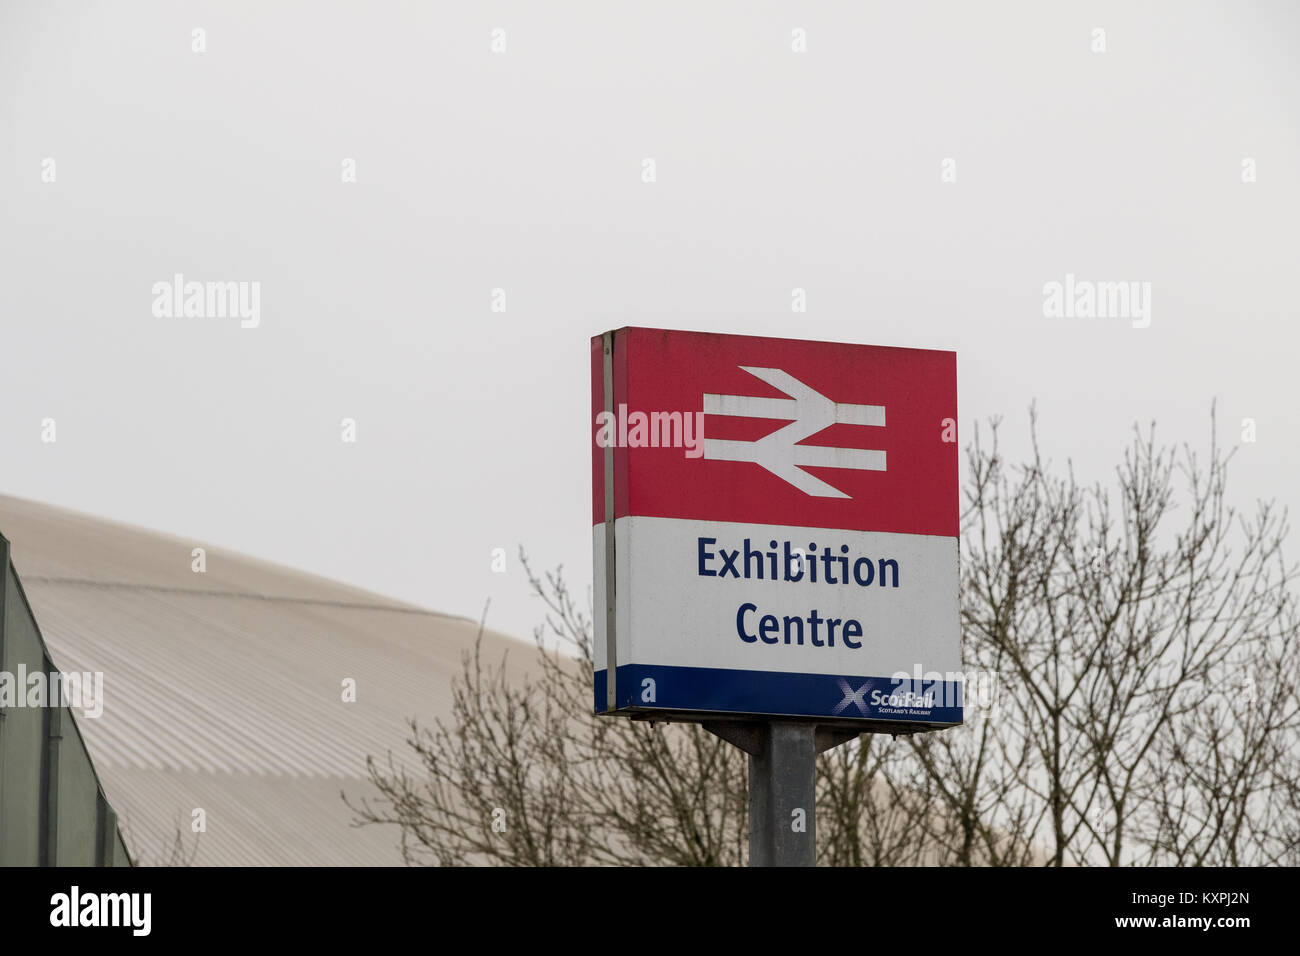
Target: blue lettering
{"points": [[706, 556], [740, 623]]}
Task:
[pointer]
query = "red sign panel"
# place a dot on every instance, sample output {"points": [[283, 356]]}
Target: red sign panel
{"points": [[799, 433]]}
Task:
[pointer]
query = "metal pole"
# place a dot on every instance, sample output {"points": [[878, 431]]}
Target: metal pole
{"points": [[782, 784], [782, 810]]}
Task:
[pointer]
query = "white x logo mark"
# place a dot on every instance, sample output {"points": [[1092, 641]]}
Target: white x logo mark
{"points": [[852, 696]]}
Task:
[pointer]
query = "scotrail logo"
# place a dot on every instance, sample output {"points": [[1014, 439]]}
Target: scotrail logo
{"points": [[879, 698], [853, 697], [809, 412]]}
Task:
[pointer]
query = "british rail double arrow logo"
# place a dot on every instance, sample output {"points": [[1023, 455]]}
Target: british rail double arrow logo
{"points": [[780, 452]]}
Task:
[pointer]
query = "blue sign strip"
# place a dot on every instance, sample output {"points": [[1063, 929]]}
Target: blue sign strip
{"points": [[655, 687]]}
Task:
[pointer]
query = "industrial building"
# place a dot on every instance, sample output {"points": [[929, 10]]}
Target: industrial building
{"points": [[227, 734], [53, 810]]}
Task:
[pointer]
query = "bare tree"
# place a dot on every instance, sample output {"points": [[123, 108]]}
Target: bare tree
{"points": [[1114, 629], [527, 775], [875, 806], [1135, 651], [170, 851]]}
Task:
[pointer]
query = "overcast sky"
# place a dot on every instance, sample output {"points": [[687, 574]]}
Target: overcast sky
{"points": [[126, 157]]}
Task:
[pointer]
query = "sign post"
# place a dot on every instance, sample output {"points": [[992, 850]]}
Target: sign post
{"points": [[775, 542]]}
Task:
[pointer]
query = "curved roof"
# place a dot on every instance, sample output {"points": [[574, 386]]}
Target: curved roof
{"points": [[223, 690]]}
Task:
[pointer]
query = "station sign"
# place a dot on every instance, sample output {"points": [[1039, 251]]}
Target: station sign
{"points": [[774, 529]]}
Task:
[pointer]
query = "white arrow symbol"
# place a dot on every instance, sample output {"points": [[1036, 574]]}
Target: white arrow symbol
{"points": [[780, 452]]}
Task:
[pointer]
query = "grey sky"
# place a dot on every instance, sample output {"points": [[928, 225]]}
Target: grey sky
{"points": [[522, 170]]}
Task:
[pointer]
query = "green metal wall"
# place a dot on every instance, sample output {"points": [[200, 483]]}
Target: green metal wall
{"points": [[52, 809]]}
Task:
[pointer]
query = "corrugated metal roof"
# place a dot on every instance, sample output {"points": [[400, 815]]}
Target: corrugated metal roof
{"points": [[223, 690]]}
